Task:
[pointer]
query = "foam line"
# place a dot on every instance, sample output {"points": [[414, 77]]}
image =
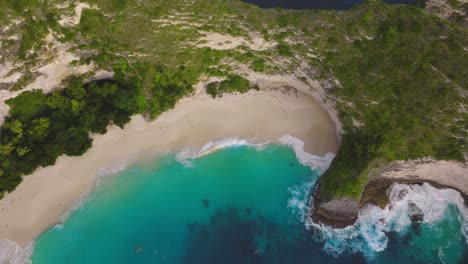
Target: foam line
{"points": [[186, 155], [318, 163]]}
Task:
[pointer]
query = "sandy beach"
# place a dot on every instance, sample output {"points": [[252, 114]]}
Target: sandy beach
{"points": [[44, 197]]}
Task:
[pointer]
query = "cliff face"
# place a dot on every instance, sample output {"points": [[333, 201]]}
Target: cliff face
{"points": [[337, 213], [340, 212]]}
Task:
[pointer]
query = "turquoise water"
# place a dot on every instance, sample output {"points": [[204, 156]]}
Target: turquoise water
{"points": [[238, 205]]}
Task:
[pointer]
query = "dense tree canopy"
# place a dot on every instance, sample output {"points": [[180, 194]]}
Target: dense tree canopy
{"points": [[42, 127]]}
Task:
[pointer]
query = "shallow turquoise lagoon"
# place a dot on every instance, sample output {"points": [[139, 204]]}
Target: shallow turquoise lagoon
{"points": [[238, 205]]}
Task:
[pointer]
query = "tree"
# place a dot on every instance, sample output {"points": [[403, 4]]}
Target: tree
{"points": [[28, 105], [15, 126], [40, 127], [75, 141]]}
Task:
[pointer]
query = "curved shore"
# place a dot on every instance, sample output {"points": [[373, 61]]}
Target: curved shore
{"points": [[44, 197]]}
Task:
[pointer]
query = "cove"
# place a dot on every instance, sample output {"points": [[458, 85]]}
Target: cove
{"points": [[238, 205], [317, 4]]}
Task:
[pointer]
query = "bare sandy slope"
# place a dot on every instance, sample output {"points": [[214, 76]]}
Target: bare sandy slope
{"points": [[447, 173], [45, 196]]}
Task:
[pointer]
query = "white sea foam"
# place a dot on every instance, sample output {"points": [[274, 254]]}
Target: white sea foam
{"points": [[12, 253], [318, 163], [116, 166], [321, 164], [186, 155], [369, 234], [298, 201]]}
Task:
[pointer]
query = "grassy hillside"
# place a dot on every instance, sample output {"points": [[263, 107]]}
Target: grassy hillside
{"points": [[406, 86]]}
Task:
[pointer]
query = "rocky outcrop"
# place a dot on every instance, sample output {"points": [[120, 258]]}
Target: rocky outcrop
{"points": [[415, 213], [340, 212], [337, 213]]}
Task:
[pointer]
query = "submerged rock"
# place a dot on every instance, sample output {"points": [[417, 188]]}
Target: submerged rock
{"points": [[415, 213], [206, 203]]}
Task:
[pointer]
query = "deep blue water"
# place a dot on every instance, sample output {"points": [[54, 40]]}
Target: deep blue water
{"points": [[241, 205], [317, 4]]}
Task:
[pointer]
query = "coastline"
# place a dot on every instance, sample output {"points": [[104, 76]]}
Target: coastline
{"points": [[42, 199]]}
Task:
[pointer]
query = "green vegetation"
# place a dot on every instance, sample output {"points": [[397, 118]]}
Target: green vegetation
{"points": [[212, 89], [284, 50], [42, 127], [234, 83], [258, 65], [166, 90], [404, 84], [38, 19]]}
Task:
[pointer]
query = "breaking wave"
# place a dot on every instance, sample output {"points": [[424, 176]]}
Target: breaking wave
{"points": [[370, 234], [321, 164], [298, 201], [115, 167], [186, 155], [318, 163]]}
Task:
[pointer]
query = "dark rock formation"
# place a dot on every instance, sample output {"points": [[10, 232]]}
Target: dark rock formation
{"points": [[415, 213], [337, 213]]}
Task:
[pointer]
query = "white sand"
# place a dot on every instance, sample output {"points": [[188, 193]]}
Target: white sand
{"points": [[43, 197], [219, 41]]}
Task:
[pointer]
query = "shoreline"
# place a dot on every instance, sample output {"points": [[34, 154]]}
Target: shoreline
{"points": [[42, 199]]}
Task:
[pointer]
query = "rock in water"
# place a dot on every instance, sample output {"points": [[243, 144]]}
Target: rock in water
{"points": [[402, 194], [415, 213]]}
